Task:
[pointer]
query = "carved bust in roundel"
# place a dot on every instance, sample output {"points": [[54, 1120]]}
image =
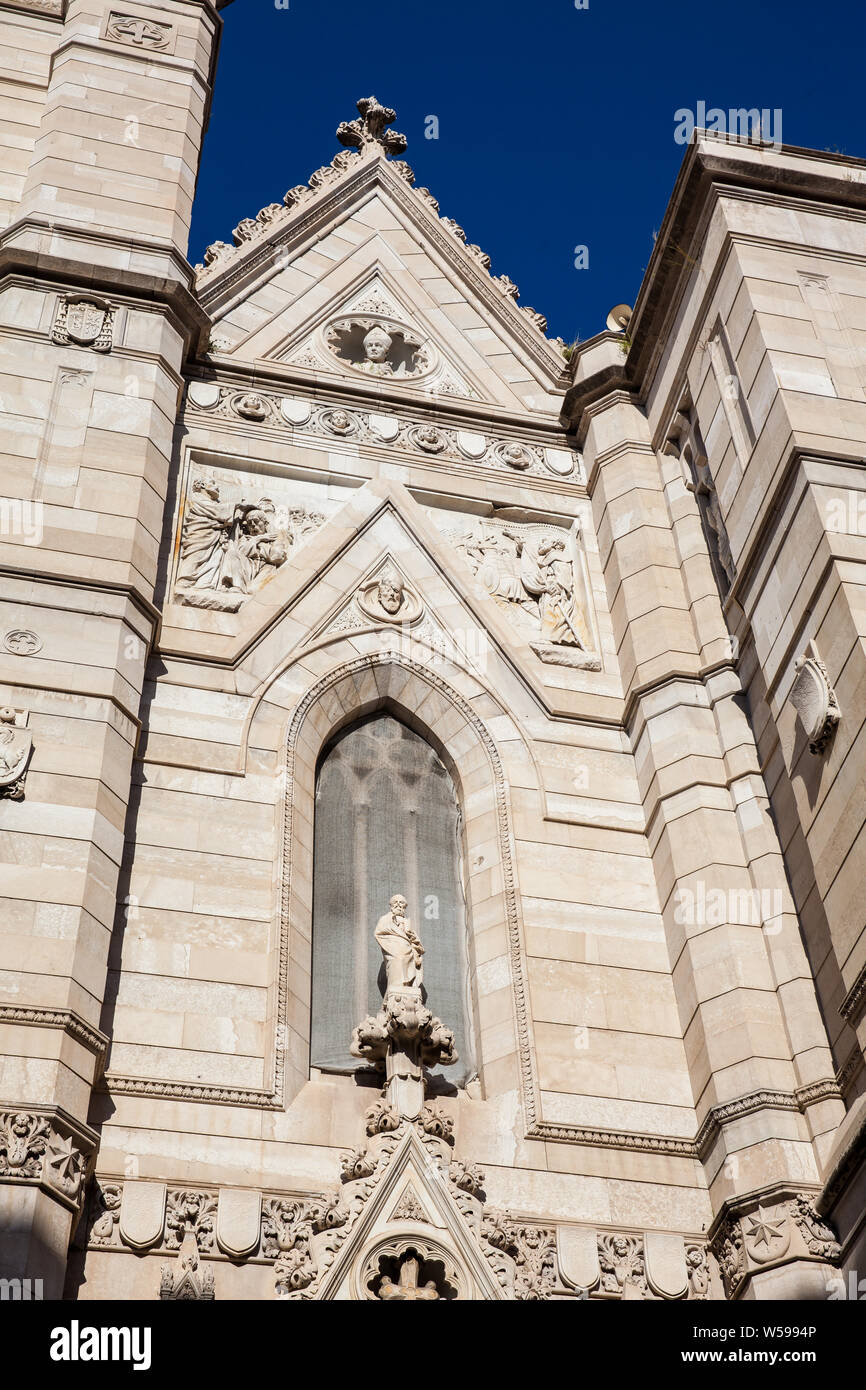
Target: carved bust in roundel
{"points": [[387, 599], [378, 347]]}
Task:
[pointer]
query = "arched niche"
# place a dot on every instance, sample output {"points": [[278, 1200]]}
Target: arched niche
{"points": [[387, 820], [449, 721]]}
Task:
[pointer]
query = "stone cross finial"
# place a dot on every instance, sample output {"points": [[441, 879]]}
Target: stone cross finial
{"points": [[371, 129]]}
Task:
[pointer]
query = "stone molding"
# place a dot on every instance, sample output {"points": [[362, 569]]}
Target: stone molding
{"points": [[799, 1101], [852, 1005], [48, 9], [301, 1234], [71, 1023]]}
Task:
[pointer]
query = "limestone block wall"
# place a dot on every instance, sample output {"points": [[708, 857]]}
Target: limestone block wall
{"points": [[787, 290], [29, 36], [745, 354], [93, 329]]}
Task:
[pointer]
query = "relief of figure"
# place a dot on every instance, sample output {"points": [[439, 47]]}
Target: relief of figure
{"points": [[533, 571], [303, 523], [401, 947], [387, 599], [226, 548], [377, 344], [547, 575]]}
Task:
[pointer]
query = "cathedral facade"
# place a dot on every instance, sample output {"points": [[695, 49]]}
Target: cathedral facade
{"points": [[431, 756]]}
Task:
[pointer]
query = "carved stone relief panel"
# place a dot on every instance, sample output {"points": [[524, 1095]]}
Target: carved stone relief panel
{"points": [[239, 529], [140, 30], [16, 746], [536, 574]]}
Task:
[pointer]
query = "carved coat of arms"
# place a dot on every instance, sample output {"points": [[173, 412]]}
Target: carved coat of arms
{"points": [[85, 322], [16, 745]]}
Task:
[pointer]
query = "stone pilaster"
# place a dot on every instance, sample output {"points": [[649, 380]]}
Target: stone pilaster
{"points": [[96, 315], [758, 1056]]}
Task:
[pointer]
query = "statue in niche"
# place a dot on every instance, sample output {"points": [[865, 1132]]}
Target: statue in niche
{"points": [[531, 568], [227, 549], [401, 947], [386, 599]]}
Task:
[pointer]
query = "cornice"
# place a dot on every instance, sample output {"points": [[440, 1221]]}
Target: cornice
{"points": [[66, 1019], [716, 165], [852, 1005], [83, 271]]}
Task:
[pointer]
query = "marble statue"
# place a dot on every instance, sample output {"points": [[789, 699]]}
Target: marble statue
{"points": [[401, 947]]}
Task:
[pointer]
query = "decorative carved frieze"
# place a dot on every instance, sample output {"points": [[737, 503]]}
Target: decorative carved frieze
{"points": [[83, 322], [302, 1235], [401, 433]]}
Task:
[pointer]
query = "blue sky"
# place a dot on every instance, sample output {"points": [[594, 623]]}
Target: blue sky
{"points": [[556, 125]]}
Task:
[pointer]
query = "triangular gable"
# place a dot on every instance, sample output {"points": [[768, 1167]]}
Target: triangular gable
{"points": [[376, 302], [361, 217], [436, 1219]]}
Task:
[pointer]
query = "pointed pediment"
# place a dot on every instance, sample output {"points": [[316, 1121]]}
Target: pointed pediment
{"points": [[372, 334], [296, 263], [408, 1208]]}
